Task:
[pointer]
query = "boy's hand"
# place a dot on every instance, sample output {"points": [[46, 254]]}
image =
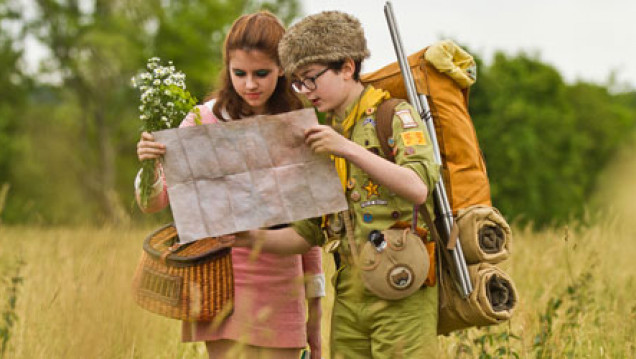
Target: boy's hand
{"points": [[324, 139]]}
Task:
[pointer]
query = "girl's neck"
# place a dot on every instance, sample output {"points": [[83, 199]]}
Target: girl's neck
{"points": [[259, 110]]}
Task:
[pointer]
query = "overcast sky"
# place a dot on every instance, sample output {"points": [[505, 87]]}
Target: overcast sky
{"points": [[583, 39]]}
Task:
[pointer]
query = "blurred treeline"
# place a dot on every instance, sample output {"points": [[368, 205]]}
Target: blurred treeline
{"points": [[68, 129]]}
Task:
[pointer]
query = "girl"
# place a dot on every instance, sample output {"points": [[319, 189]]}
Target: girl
{"points": [[269, 319]]}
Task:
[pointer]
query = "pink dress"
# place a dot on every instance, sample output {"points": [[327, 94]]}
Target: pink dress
{"points": [[270, 290]]}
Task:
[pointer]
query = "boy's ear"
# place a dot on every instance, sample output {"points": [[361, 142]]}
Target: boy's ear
{"points": [[348, 68]]}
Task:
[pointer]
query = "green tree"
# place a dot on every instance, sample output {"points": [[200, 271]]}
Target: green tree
{"points": [[545, 142], [604, 122], [82, 125], [13, 86]]}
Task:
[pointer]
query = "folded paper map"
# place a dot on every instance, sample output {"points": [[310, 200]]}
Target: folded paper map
{"points": [[240, 175]]}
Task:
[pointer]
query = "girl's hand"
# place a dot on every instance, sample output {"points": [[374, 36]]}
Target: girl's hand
{"points": [[239, 239], [324, 139], [148, 149], [313, 327]]}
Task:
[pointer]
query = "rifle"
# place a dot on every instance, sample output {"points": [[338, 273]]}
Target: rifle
{"points": [[441, 198]]}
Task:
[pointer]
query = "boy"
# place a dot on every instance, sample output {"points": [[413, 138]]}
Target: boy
{"points": [[323, 55]]}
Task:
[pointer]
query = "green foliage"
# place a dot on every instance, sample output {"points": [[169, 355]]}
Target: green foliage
{"points": [[486, 343], [544, 141], [191, 34], [13, 87], [10, 280], [68, 132], [67, 146], [572, 304]]}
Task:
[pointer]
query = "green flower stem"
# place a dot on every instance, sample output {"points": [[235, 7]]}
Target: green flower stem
{"points": [[148, 178]]}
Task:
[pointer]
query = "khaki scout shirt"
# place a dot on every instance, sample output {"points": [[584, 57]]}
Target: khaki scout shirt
{"points": [[372, 205]]}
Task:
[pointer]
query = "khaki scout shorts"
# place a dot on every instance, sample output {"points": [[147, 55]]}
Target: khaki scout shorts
{"points": [[364, 326]]}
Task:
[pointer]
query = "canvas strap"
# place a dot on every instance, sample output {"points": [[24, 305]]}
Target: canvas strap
{"points": [[353, 247], [384, 130]]}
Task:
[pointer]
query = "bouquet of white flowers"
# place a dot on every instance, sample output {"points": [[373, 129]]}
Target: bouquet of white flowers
{"points": [[164, 103]]}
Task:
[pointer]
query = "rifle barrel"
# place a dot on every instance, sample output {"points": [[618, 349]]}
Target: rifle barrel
{"points": [[421, 106]]}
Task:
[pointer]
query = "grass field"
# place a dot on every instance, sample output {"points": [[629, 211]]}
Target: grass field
{"points": [[65, 293]]}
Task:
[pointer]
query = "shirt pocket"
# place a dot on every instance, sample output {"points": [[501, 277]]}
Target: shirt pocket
{"points": [[369, 140]]}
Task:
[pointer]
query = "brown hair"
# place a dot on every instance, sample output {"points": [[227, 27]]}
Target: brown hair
{"points": [[260, 31]]}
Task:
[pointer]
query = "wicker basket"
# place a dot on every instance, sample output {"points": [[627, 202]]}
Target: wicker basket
{"points": [[192, 282]]}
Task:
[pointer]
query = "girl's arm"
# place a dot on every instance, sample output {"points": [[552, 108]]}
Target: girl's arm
{"points": [[314, 290], [280, 241]]}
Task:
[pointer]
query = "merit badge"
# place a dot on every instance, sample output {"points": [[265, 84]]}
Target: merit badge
{"points": [[413, 138], [351, 183], [370, 111], [406, 118], [375, 202], [372, 189], [391, 142], [355, 196], [367, 217], [369, 121], [409, 151], [395, 214]]}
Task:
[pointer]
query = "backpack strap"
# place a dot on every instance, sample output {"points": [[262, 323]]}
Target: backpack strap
{"points": [[384, 122]]}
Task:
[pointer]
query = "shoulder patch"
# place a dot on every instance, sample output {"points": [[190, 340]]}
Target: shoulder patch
{"points": [[406, 118], [413, 138]]}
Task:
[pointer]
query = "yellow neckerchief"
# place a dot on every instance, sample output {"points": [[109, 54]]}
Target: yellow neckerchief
{"points": [[370, 98]]}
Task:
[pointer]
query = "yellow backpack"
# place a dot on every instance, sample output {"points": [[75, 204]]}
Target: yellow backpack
{"points": [[463, 167], [479, 226]]}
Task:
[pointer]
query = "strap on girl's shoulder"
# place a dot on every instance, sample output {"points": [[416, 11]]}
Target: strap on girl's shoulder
{"points": [[384, 121]]}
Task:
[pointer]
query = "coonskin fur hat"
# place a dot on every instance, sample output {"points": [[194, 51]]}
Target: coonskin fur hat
{"points": [[325, 37]]}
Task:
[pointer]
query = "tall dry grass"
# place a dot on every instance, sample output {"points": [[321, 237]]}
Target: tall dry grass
{"points": [[75, 299], [576, 290], [72, 298]]}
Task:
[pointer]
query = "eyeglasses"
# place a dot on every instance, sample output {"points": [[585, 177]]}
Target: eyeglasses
{"points": [[309, 82]]}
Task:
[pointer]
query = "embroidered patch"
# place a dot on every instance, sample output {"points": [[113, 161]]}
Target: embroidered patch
{"points": [[375, 202], [372, 189], [406, 118], [369, 121], [351, 183], [413, 138]]}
